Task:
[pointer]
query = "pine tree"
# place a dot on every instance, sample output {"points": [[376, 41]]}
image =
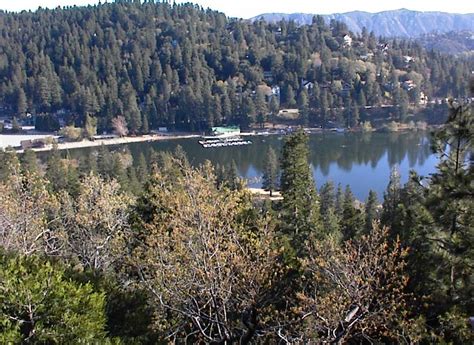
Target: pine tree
{"points": [[303, 106], [142, 169], [300, 202], [145, 127], [290, 97], [370, 211], [391, 199], [274, 105], [39, 303], [450, 201], [339, 200], [327, 209], [29, 162], [133, 113], [248, 112], [233, 176], [56, 171], [21, 105], [351, 220], [90, 127], [270, 175], [261, 107]]}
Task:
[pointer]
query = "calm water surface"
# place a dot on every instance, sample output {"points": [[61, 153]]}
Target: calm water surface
{"points": [[361, 160]]}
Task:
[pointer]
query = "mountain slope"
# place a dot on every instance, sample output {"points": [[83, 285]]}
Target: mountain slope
{"points": [[397, 23]]}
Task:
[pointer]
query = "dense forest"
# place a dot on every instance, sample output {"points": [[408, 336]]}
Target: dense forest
{"points": [[187, 68], [103, 251]]}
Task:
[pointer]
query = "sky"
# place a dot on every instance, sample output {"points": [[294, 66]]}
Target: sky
{"points": [[250, 8]]}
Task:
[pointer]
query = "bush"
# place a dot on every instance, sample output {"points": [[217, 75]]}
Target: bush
{"points": [[38, 304], [71, 133], [367, 126], [392, 126]]}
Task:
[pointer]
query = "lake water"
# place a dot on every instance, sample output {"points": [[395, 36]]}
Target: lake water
{"points": [[361, 160]]}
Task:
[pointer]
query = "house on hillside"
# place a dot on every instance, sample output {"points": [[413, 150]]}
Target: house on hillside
{"points": [[308, 85], [276, 90], [409, 85], [347, 41], [423, 98]]}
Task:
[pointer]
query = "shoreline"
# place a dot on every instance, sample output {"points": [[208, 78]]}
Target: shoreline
{"points": [[85, 143], [110, 142]]}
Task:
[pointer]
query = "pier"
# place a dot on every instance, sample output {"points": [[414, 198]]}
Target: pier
{"points": [[223, 142]]}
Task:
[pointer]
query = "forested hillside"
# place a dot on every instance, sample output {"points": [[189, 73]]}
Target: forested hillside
{"points": [[451, 42], [180, 66]]}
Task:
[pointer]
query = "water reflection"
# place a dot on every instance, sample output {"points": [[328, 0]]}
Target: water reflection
{"points": [[362, 160]]}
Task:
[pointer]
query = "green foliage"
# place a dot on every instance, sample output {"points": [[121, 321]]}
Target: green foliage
{"points": [[16, 127], [271, 172], [367, 126], [300, 201], [434, 218], [39, 304], [71, 133], [29, 161], [90, 127], [329, 215], [351, 220], [371, 212]]}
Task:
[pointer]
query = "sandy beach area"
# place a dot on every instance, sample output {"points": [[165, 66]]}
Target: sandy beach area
{"points": [[113, 141]]}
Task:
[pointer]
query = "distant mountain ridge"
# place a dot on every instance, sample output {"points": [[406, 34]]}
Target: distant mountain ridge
{"points": [[397, 23]]}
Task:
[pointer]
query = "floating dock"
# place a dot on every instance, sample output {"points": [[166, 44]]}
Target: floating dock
{"points": [[223, 142]]}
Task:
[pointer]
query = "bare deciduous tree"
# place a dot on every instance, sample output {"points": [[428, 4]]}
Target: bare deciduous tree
{"points": [[96, 222], [119, 125], [357, 290], [209, 275], [27, 215]]}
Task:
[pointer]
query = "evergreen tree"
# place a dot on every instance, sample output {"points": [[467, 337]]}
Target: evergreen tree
{"points": [[233, 177], [145, 127], [21, 105], [339, 200], [370, 211], [300, 202], [391, 199], [56, 172], [274, 105], [29, 162], [261, 107], [303, 106], [40, 304], [142, 168], [449, 200], [248, 112], [400, 100], [90, 127], [327, 209], [351, 220], [270, 175], [132, 111], [16, 127], [289, 99]]}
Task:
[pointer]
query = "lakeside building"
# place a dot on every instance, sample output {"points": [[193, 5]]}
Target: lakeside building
{"points": [[225, 132]]}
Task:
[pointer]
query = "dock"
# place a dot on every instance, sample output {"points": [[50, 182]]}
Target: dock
{"points": [[223, 142]]}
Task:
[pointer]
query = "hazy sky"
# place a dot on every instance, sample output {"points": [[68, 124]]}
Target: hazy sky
{"points": [[250, 8]]}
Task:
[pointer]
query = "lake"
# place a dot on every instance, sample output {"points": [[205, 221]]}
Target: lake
{"points": [[361, 160]]}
